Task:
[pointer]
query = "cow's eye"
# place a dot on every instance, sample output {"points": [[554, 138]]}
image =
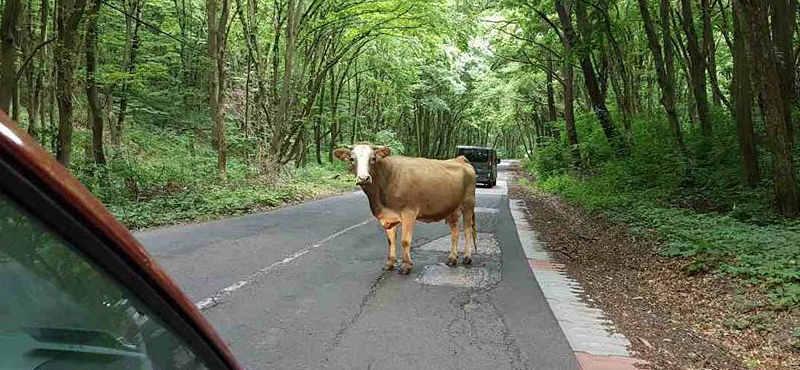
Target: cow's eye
{"points": [[374, 159]]}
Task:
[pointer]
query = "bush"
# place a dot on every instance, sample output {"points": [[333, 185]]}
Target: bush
{"points": [[549, 159], [164, 176]]}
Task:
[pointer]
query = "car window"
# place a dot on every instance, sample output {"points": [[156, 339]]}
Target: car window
{"points": [[59, 311], [475, 155]]}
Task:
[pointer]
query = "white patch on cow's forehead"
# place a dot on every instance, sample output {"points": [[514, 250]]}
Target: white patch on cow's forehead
{"points": [[361, 151], [362, 154]]}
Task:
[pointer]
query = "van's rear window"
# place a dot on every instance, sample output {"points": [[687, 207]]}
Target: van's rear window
{"points": [[475, 155]]}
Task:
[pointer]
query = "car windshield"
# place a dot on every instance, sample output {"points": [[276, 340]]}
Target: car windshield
{"points": [[475, 155]]}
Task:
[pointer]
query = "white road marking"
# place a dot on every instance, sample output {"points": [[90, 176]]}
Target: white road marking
{"points": [[500, 189], [486, 210], [218, 296]]}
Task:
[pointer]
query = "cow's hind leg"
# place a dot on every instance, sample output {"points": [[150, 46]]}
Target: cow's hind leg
{"points": [[391, 234], [469, 234], [408, 231], [452, 221]]}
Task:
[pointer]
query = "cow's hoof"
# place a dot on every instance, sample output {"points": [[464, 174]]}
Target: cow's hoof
{"points": [[452, 261], [389, 265], [406, 269], [466, 261]]}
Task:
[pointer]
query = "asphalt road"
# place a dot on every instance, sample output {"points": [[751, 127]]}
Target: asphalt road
{"points": [[302, 288]]}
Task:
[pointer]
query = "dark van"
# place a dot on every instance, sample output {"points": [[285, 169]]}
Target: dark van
{"points": [[484, 160]]}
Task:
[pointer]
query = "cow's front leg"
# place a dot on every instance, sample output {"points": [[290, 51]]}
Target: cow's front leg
{"points": [[391, 234], [408, 231], [452, 221]]}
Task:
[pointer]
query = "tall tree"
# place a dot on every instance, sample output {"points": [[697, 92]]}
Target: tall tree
{"points": [[69, 15], [666, 78], [763, 48], [743, 99], [710, 50], [217, 50], [128, 65], [596, 97], [36, 73], [697, 68], [621, 78], [551, 104], [784, 26], [92, 95], [9, 45], [282, 119]]}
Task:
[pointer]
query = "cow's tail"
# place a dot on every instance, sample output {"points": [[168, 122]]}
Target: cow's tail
{"points": [[474, 233]]}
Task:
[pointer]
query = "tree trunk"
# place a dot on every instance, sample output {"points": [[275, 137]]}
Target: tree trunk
{"points": [[763, 49], [128, 67], [318, 126], [109, 106], [568, 74], [743, 99], [35, 109], [217, 50], [784, 13], [69, 17], [295, 8], [92, 96], [666, 79], [569, 114], [355, 128], [697, 67], [625, 94], [710, 49], [8, 53], [551, 105], [40, 93]]}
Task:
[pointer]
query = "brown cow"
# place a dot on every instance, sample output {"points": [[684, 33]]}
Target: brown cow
{"points": [[402, 190]]}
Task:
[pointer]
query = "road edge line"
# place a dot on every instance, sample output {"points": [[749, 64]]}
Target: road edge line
{"points": [[217, 297]]}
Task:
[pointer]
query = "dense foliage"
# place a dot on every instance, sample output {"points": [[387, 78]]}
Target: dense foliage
{"points": [[675, 133], [173, 111]]}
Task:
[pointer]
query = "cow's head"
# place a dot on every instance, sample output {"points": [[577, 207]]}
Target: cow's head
{"points": [[361, 158]]}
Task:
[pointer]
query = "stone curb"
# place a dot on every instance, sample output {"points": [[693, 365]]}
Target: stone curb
{"points": [[591, 335]]}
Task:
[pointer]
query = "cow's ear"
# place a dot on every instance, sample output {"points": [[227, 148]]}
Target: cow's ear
{"points": [[342, 153], [382, 151]]}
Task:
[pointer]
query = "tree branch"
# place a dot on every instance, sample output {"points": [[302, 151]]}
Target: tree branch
{"points": [[31, 55], [532, 41], [545, 18]]}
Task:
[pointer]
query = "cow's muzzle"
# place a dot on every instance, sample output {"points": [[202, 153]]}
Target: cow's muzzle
{"points": [[363, 180]]}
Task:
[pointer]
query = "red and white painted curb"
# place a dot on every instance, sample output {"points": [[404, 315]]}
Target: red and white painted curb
{"points": [[592, 337]]}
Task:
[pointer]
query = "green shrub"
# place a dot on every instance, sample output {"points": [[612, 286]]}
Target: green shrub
{"points": [[549, 159], [163, 176]]}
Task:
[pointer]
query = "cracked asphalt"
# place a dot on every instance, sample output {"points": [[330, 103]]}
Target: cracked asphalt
{"points": [[305, 290]]}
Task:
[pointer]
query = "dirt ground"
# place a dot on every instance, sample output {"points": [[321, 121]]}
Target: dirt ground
{"points": [[673, 320]]}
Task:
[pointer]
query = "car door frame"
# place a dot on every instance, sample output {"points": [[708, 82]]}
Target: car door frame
{"points": [[46, 190]]}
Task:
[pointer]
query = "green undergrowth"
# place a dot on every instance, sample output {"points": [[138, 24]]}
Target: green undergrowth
{"points": [[161, 177], [696, 205]]}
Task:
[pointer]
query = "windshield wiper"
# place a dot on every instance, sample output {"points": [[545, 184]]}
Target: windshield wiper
{"points": [[80, 341]]}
